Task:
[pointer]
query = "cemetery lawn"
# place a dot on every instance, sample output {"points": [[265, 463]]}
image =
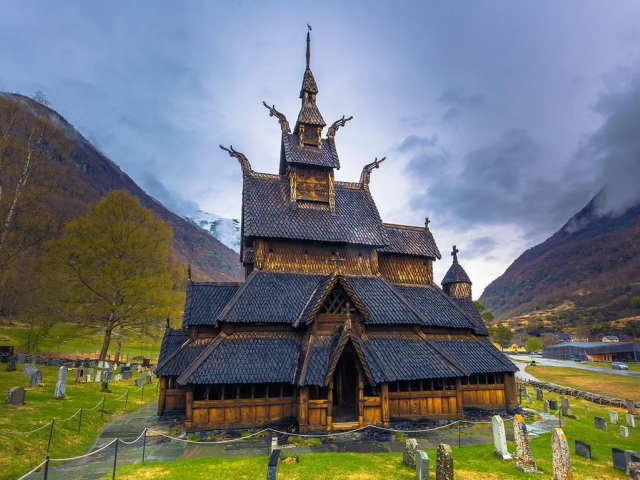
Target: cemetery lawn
{"points": [[475, 462], [69, 339], [20, 453], [589, 381]]}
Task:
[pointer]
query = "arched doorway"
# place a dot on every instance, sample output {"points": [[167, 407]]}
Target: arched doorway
{"points": [[345, 389]]}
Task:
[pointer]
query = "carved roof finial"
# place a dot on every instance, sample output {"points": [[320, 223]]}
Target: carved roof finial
{"points": [[168, 324], [454, 253], [189, 272], [282, 120], [333, 129], [427, 221], [365, 177], [244, 162]]}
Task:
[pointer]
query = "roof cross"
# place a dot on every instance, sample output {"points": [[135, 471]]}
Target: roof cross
{"points": [[338, 261], [454, 253], [427, 221]]}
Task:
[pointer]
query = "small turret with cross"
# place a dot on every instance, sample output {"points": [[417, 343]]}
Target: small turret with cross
{"points": [[454, 254]]}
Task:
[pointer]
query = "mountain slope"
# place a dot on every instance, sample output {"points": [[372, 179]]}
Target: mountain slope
{"points": [[96, 175], [593, 261]]}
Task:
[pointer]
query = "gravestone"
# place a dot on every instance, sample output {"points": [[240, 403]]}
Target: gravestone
{"points": [[21, 358], [619, 460], [553, 405], [89, 371], [631, 407], [529, 399], [149, 378], [545, 406], [422, 465], [105, 386], [107, 375], [15, 396], [499, 439], [601, 423], [631, 421], [410, 449], [583, 449], [613, 416], [98, 376], [444, 462], [140, 382], [560, 452], [127, 375], [79, 374], [633, 469], [92, 363], [273, 445], [624, 431], [524, 459], [566, 408], [539, 394], [28, 369], [88, 378], [11, 364], [77, 363], [118, 377], [61, 384], [272, 466], [36, 378], [106, 364], [100, 364], [586, 406], [55, 362]]}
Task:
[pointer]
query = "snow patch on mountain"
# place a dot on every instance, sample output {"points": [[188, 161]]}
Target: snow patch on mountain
{"points": [[227, 230]]}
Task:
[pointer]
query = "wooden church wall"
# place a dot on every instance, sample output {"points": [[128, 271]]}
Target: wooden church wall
{"points": [[169, 397], [406, 268], [244, 413], [416, 405]]}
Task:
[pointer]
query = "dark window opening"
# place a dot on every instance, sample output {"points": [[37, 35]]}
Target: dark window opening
{"points": [[200, 393], [287, 390], [245, 391], [317, 392], [215, 392], [393, 387], [260, 390], [274, 390], [416, 385], [371, 390], [335, 302]]}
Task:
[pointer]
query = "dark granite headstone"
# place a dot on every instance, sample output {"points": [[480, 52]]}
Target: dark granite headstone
{"points": [[55, 362], [105, 386], [15, 396], [272, 469], [107, 375], [11, 364], [619, 460], [601, 423], [127, 374], [553, 405], [583, 449], [36, 378], [21, 358], [139, 382]]}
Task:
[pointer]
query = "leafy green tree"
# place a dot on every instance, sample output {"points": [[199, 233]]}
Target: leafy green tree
{"points": [[502, 335], [479, 306], [488, 317], [533, 344], [114, 268]]}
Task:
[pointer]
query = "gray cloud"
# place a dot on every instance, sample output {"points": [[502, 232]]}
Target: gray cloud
{"points": [[458, 103], [168, 198]]}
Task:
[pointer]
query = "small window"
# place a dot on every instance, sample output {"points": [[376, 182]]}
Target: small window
{"points": [[200, 393], [393, 387], [231, 392], [371, 390], [271, 250], [274, 390], [438, 384], [416, 386], [260, 391], [404, 386], [245, 391], [427, 385], [287, 390], [215, 392], [464, 381]]}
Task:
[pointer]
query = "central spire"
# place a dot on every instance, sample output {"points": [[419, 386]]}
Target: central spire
{"points": [[310, 122]]}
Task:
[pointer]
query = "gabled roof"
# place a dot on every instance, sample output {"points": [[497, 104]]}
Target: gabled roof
{"points": [[171, 341], [179, 360], [456, 274], [410, 241], [292, 152], [250, 357], [477, 355], [308, 83], [472, 312], [310, 115], [205, 301], [267, 211]]}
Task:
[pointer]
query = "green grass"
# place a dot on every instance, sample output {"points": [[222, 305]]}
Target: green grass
{"points": [[471, 462], [634, 367], [69, 339], [589, 381], [19, 453]]}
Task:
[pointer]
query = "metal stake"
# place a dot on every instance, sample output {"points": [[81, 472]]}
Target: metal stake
{"points": [[102, 413], [144, 442], [46, 467], [459, 441], [126, 399], [115, 458], [560, 417], [51, 434], [80, 420], [142, 396]]}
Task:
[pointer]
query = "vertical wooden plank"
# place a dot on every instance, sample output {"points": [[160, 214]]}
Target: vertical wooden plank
{"points": [[384, 405], [360, 399], [162, 395], [189, 407], [330, 408], [459, 403], [303, 410]]}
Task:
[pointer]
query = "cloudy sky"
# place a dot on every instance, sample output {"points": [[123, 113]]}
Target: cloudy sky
{"points": [[499, 119]]}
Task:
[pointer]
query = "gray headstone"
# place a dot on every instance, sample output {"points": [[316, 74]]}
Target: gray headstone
{"points": [[545, 406], [529, 399], [36, 378], [444, 462], [55, 362], [92, 363], [601, 423], [100, 364], [127, 375], [499, 439], [107, 375], [422, 465], [539, 394], [61, 384], [613, 416], [586, 406], [28, 369], [410, 449], [89, 371], [619, 460], [524, 459], [106, 364], [631, 407], [15, 396], [566, 408], [11, 364], [98, 376], [105, 386], [21, 358], [562, 469], [631, 420], [140, 382], [553, 405], [624, 431], [583, 449]]}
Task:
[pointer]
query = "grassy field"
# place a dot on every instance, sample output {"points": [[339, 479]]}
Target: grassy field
{"points": [[471, 462], [19, 453], [635, 367], [68, 339], [602, 383]]}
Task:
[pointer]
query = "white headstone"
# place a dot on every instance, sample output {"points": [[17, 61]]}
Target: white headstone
{"points": [[101, 364], [118, 377], [106, 364], [88, 378], [98, 375], [613, 415], [500, 439], [61, 383], [422, 465], [631, 421], [624, 431]]}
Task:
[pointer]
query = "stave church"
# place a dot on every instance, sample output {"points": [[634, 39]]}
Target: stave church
{"points": [[339, 322]]}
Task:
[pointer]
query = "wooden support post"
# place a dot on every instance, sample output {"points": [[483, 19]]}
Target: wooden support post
{"points": [[360, 399], [330, 408], [459, 405], [384, 404], [303, 410], [510, 393], [162, 395], [189, 407]]}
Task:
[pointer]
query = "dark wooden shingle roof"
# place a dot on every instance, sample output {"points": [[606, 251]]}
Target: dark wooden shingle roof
{"points": [[456, 274], [171, 341], [478, 355], [472, 312], [205, 301], [327, 156], [269, 212], [410, 241], [178, 361]]}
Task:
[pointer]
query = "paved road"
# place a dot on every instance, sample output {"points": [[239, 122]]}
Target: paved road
{"points": [[576, 365]]}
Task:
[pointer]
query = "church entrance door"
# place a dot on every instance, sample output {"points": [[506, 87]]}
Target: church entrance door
{"points": [[345, 389]]}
